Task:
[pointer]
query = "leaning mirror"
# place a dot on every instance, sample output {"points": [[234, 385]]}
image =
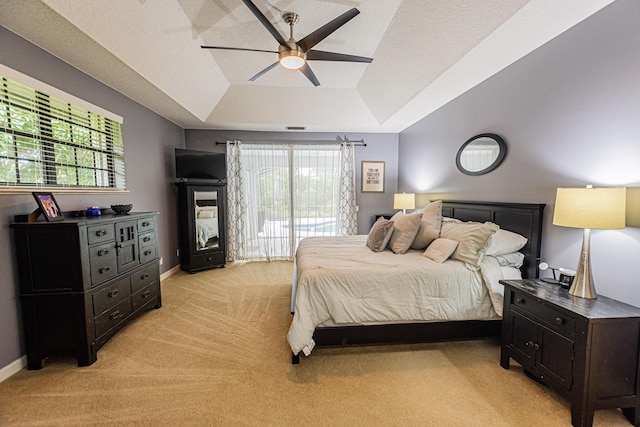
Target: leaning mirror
{"points": [[481, 154]]}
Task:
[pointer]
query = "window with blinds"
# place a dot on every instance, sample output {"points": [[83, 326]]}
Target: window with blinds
{"points": [[49, 142]]}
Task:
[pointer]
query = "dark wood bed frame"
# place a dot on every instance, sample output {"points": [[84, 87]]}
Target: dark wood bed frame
{"points": [[521, 218]]}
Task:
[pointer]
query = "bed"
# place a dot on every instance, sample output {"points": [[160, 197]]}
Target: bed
{"points": [[352, 314], [206, 225]]}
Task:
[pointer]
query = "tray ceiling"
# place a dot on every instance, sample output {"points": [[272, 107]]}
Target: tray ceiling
{"points": [[426, 52]]}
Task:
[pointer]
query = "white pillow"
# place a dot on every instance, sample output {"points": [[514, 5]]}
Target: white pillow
{"points": [[204, 214], [440, 250], [405, 227], [472, 237], [505, 242], [510, 260], [429, 225]]}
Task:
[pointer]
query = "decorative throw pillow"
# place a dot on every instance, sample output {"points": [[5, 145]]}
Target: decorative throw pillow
{"points": [[505, 242], [429, 226], [440, 250], [379, 234], [405, 227], [510, 260], [473, 239], [205, 214]]}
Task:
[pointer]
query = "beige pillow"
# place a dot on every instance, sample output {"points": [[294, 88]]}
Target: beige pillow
{"points": [[379, 234], [405, 227], [473, 239], [440, 249], [429, 226], [205, 214]]}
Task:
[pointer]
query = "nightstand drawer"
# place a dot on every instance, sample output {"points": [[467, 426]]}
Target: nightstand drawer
{"points": [[549, 315]]}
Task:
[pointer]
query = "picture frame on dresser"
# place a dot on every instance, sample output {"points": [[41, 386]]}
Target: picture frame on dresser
{"points": [[47, 206]]}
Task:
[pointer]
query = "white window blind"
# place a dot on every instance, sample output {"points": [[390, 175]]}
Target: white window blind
{"points": [[49, 142]]}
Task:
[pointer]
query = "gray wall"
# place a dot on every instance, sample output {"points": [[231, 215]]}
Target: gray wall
{"points": [[149, 140], [570, 114], [380, 147]]}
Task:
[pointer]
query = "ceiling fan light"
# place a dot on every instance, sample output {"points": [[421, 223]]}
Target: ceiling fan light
{"points": [[293, 60]]}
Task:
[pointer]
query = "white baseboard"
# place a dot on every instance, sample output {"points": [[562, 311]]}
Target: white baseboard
{"points": [[168, 273], [13, 368]]}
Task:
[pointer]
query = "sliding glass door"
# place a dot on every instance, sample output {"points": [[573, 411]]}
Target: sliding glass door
{"points": [[292, 192]]}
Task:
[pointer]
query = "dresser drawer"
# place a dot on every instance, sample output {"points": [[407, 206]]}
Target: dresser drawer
{"points": [[111, 318], [147, 239], [99, 253], [100, 233], [147, 254], [145, 224], [145, 295], [111, 295], [550, 316], [103, 271], [144, 277]]}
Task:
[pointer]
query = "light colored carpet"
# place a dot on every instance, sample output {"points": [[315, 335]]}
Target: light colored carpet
{"points": [[216, 354]]}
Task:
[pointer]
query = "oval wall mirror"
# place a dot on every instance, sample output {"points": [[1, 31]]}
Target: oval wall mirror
{"points": [[481, 154]]}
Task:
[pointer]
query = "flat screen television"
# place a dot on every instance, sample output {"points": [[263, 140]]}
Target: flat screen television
{"points": [[192, 164]]}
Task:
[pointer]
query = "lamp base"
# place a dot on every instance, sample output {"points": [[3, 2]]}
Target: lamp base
{"points": [[583, 286]]}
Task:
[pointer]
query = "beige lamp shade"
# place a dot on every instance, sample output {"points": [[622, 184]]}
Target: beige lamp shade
{"points": [[404, 201], [597, 208]]}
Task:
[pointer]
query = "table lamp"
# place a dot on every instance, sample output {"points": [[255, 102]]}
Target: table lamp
{"points": [[587, 208], [404, 201]]}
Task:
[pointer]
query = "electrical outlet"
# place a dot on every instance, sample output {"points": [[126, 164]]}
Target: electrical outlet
{"points": [[161, 261], [177, 252]]}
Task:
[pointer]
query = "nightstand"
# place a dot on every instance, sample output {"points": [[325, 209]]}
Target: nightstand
{"points": [[586, 350], [385, 216]]}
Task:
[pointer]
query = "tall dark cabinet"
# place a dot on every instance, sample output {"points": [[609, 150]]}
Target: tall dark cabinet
{"points": [[202, 220], [83, 279]]}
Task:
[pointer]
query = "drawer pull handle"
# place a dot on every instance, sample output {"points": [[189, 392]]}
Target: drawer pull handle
{"points": [[101, 232], [521, 301], [529, 344], [104, 270], [147, 252], [102, 252], [146, 239], [145, 224], [113, 293], [146, 294], [536, 346], [144, 276], [559, 320], [115, 315]]}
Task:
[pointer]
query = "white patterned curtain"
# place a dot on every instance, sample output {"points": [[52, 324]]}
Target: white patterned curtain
{"points": [[348, 209], [236, 202]]}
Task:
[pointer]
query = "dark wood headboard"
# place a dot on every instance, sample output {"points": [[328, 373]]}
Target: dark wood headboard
{"points": [[521, 218]]}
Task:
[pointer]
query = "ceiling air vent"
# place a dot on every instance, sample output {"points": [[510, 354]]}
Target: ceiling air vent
{"points": [[295, 127]]}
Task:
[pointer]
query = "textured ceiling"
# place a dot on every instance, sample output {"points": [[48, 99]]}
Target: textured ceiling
{"points": [[426, 52]]}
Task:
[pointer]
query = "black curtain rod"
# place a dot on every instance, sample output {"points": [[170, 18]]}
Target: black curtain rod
{"points": [[359, 142]]}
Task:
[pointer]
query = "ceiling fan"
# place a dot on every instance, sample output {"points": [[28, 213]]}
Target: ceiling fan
{"points": [[294, 54]]}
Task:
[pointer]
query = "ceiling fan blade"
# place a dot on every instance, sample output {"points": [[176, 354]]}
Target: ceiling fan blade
{"points": [[264, 71], [321, 33], [238, 48], [306, 70], [319, 55], [267, 24]]}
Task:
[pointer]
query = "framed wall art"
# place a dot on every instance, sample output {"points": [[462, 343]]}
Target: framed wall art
{"points": [[372, 177]]}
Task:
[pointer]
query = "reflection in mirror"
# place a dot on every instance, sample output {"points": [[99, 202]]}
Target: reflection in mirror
{"points": [[481, 154], [206, 216]]}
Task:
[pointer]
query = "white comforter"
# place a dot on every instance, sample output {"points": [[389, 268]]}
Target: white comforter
{"points": [[340, 280], [206, 228]]}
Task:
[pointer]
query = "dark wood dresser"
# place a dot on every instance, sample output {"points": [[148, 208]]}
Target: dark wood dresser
{"points": [[83, 279], [586, 350]]}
